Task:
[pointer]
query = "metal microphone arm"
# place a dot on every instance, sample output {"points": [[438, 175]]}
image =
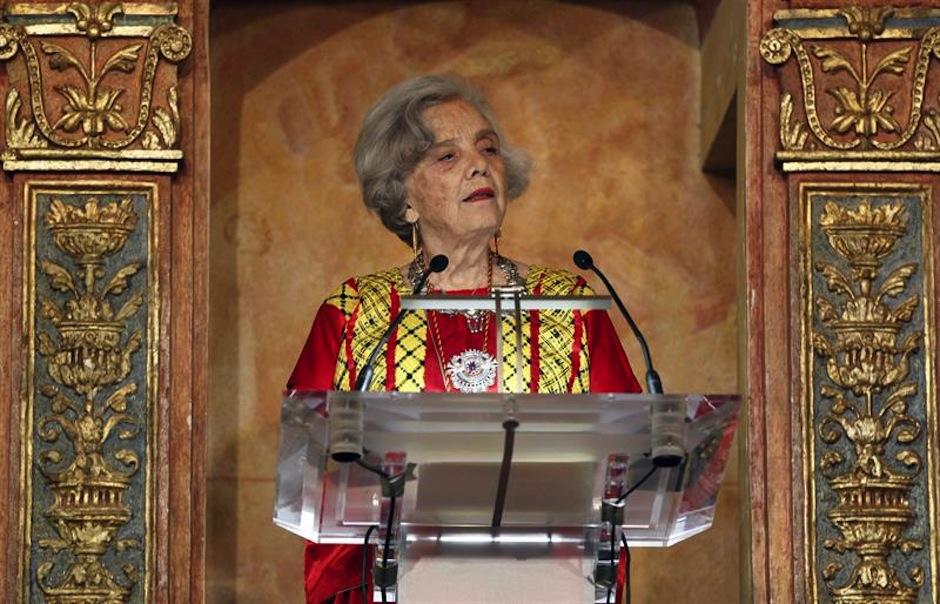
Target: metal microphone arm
{"points": [[438, 263], [654, 385]]}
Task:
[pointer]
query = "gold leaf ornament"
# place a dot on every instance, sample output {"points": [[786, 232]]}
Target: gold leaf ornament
{"points": [[866, 115], [830, 460], [775, 46], [904, 312], [825, 310], [837, 545], [832, 61], [125, 544], [124, 59], [51, 457], [60, 58], [792, 134], [167, 124], [835, 280], [822, 346], [118, 399], [905, 436], [46, 346], [21, 132], [59, 278], [830, 429], [9, 41], [895, 62], [60, 403], [895, 283], [866, 22], [910, 460], [174, 42], [94, 21], [130, 307], [830, 570], [128, 458], [119, 282]]}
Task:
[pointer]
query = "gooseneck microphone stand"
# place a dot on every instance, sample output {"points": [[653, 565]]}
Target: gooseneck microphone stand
{"points": [[613, 511], [393, 487], [654, 385]]}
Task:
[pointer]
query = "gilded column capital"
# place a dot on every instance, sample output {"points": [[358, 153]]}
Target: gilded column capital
{"points": [[92, 87], [858, 88]]}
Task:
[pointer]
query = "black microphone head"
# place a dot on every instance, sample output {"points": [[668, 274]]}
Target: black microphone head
{"points": [[438, 263], [583, 260]]}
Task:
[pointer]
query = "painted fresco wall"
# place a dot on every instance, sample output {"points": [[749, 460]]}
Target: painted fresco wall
{"points": [[604, 97]]}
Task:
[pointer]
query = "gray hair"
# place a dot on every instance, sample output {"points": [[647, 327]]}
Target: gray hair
{"points": [[394, 138]]}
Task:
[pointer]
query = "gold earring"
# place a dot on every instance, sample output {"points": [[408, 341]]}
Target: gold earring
{"points": [[414, 239], [496, 237]]}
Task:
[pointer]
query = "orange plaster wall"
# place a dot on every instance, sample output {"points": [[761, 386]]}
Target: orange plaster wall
{"points": [[604, 97]]}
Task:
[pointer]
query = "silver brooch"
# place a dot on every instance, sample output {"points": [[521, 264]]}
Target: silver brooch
{"points": [[472, 370]]}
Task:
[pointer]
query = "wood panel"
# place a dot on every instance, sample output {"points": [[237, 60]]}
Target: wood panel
{"points": [[105, 208], [840, 237]]}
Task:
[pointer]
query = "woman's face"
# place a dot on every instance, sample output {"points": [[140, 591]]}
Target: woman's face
{"points": [[457, 190]]}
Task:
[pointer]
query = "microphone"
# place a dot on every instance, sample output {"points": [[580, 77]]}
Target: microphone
{"points": [[345, 433], [654, 385], [438, 264], [668, 428]]}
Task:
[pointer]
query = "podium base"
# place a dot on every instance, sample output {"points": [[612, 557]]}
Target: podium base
{"points": [[479, 568]]}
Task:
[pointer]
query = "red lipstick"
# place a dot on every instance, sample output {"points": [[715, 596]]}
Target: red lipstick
{"points": [[481, 194]]}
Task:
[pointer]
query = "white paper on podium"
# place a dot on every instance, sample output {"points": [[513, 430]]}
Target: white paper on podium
{"points": [[472, 580]]}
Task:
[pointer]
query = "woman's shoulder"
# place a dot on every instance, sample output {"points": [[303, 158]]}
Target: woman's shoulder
{"points": [[374, 286], [549, 281]]}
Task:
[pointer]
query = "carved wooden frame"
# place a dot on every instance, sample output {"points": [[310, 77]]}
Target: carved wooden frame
{"points": [[841, 515], [128, 136]]}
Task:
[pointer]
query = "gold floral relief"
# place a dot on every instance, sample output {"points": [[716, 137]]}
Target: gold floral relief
{"points": [[93, 99], [91, 322], [868, 89], [870, 411]]}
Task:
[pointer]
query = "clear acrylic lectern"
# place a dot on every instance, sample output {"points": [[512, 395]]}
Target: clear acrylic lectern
{"points": [[571, 454], [500, 497]]}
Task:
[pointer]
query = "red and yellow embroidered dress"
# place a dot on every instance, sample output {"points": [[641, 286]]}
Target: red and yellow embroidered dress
{"points": [[564, 351]]}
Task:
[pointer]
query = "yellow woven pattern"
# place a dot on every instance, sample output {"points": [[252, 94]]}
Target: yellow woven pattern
{"points": [[508, 332], [582, 382], [370, 306], [368, 300], [410, 350], [556, 333], [346, 299]]}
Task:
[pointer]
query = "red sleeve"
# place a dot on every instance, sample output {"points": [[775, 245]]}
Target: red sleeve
{"points": [[610, 369], [331, 572], [610, 372], [317, 363]]}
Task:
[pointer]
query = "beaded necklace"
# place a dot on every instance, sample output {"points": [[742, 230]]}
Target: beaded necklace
{"points": [[474, 369]]}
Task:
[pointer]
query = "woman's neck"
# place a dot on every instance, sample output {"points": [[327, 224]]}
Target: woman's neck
{"points": [[468, 267]]}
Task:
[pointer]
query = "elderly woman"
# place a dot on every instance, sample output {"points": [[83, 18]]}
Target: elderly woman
{"points": [[435, 167]]}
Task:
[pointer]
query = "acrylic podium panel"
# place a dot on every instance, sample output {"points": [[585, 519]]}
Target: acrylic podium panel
{"points": [[561, 449], [549, 540]]}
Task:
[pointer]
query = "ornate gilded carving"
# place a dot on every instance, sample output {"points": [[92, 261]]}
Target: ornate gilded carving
{"points": [[105, 92], [868, 398], [792, 134], [92, 106], [90, 423], [166, 124], [20, 132], [865, 22], [94, 20], [882, 115]]}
